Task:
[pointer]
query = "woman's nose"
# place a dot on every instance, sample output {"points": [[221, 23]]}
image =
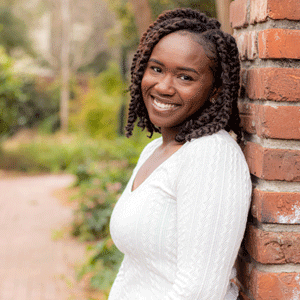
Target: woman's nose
{"points": [[165, 85]]}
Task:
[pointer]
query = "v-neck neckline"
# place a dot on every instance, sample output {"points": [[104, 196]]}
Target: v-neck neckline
{"points": [[155, 170]]}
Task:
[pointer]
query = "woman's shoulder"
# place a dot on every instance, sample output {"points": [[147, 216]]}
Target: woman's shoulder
{"points": [[218, 144], [221, 138], [218, 155]]}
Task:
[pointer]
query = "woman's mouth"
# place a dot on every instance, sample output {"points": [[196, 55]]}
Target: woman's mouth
{"points": [[163, 106]]}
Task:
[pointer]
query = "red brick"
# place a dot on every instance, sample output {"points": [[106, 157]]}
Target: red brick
{"points": [[267, 285], [274, 9], [241, 41], [281, 122], [279, 43], [276, 84], [273, 164], [287, 9], [276, 207], [272, 247], [238, 13], [247, 44], [247, 115], [258, 11], [281, 286]]}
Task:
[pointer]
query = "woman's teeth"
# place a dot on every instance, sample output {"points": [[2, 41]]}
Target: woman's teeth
{"points": [[163, 105]]}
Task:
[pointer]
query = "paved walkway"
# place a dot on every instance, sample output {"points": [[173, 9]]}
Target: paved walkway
{"points": [[33, 264]]}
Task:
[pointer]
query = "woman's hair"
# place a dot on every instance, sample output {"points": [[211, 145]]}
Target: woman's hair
{"points": [[222, 113]]}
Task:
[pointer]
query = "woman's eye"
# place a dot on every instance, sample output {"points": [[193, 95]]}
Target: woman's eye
{"points": [[186, 78], [156, 69]]}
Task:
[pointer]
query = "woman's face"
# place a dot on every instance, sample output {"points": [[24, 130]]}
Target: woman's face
{"points": [[177, 81]]}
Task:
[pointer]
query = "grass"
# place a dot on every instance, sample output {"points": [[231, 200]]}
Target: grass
{"points": [[64, 153]]}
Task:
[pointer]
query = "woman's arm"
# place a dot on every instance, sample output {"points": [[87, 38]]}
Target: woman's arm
{"points": [[213, 197]]}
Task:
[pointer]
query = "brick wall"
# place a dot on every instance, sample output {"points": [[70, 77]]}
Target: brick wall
{"points": [[268, 37]]}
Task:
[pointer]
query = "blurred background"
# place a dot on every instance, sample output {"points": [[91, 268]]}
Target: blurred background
{"points": [[63, 100]]}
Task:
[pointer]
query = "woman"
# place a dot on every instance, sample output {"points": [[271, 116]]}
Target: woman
{"points": [[181, 218]]}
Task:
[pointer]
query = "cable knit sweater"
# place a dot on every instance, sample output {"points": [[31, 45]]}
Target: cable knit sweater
{"points": [[181, 229]]}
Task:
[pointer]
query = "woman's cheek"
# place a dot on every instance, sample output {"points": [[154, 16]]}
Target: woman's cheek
{"points": [[145, 84]]}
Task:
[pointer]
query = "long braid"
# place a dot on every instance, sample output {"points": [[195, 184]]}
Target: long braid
{"points": [[212, 117]]}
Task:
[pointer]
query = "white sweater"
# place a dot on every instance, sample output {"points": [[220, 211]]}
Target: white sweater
{"points": [[181, 229]]}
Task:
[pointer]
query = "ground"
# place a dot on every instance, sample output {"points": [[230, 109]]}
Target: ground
{"points": [[38, 257]]}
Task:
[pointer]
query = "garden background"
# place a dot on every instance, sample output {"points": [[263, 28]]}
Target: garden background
{"points": [[64, 76]]}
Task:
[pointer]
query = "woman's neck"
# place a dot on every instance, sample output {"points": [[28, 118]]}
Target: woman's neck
{"points": [[168, 137]]}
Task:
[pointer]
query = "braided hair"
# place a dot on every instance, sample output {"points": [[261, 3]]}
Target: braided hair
{"points": [[212, 117]]}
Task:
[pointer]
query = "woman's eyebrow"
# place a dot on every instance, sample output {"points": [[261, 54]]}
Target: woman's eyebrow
{"points": [[178, 68], [156, 61], [187, 69]]}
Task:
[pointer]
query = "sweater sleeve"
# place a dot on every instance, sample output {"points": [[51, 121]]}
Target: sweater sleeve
{"points": [[213, 197]]}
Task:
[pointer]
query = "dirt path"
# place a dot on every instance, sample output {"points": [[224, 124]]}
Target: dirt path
{"points": [[34, 263]]}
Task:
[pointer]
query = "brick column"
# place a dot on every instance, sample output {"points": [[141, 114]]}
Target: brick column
{"points": [[268, 37]]}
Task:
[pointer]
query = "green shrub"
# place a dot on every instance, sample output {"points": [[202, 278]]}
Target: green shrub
{"points": [[102, 263], [54, 153], [97, 115], [11, 95], [99, 191], [51, 154], [26, 101]]}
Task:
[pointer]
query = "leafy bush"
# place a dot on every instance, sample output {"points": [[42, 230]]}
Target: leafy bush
{"points": [[13, 31], [50, 154], [26, 101], [10, 95], [102, 263], [97, 114], [42, 103], [56, 153], [99, 192]]}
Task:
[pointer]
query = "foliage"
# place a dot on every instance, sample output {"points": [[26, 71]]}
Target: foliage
{"points": [[103, 264], [100, 189], [25, 101], [97, 114], [158, 6], [55, 153], [98, 64], [125, 32], [10, 95], [48, 155], [42, 103], [13, 32]]}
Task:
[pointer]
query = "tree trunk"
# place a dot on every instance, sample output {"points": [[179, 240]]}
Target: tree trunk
{"points": [[65, 65], [222, 7], [142, 14]]}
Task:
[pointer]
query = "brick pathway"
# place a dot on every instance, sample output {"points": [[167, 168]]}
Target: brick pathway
{"points": [[33, 264]]}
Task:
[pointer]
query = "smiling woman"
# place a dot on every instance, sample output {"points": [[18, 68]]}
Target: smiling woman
{"points": [[181, 219], [177, 80]]}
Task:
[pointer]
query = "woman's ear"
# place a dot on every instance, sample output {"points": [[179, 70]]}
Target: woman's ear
{"points": [[214, 95]]}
